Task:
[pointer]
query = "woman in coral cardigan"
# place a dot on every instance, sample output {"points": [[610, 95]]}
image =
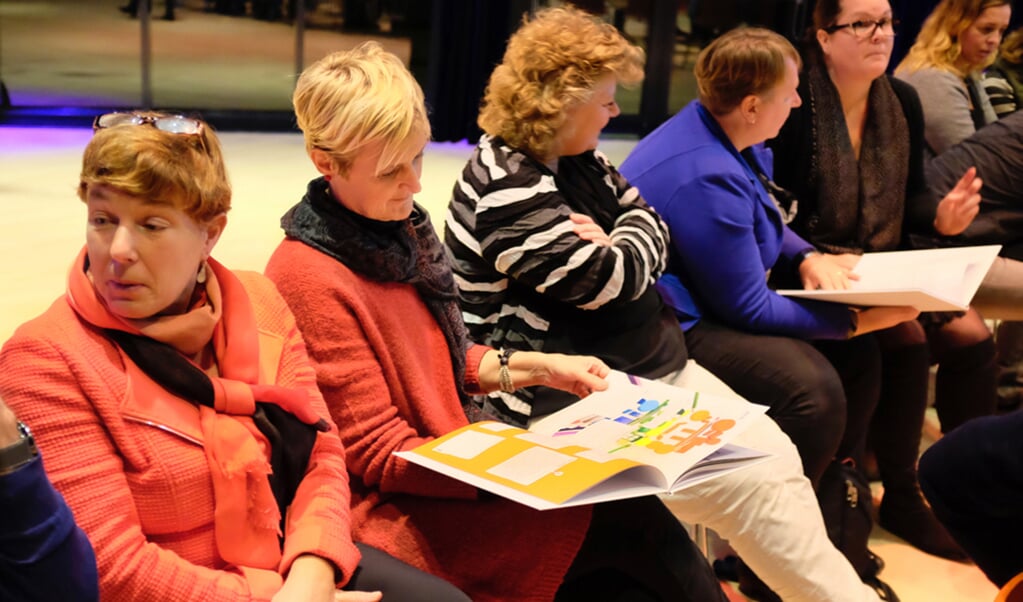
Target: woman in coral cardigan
{"points": [[372, 292], [174, 399]]}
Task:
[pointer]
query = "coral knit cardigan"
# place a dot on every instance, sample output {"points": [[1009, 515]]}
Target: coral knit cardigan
{"points": [[385, 372], [141, 490]]}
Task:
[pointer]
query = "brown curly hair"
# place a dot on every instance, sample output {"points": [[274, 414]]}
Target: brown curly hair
{"points": [[552, 62]]}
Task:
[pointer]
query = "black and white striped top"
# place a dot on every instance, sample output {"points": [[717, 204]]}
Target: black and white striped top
{"points": [[527, 281]]}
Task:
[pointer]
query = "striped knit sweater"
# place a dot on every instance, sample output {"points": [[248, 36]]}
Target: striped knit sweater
{"points": [[527, 281]]}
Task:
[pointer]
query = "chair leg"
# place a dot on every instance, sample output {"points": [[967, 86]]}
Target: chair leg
{"points": [[700, 539]]}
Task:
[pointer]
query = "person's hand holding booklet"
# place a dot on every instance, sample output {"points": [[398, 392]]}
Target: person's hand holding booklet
{"points": [[638, 437]]}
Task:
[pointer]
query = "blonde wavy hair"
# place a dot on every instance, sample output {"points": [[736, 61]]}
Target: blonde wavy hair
{"points": [[551, 63], [183, 170], [938, 43], [741, 62], [352, 99]]}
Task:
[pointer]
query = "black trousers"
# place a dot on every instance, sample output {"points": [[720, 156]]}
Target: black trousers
{"points": [[636, 551], [973, 478], [379, 571], [822, 395]]}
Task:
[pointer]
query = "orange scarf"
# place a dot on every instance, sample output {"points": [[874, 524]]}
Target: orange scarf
{"points": [[246, 517]]}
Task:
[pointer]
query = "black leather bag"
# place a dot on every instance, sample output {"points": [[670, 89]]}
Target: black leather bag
{"points": [[847, 507]]}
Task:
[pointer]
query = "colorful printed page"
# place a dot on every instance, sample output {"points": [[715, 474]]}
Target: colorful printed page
{"points": [[637, 438], [928, 279]]}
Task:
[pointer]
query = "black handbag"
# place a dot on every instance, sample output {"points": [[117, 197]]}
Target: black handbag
{"points": [[847, 508]]}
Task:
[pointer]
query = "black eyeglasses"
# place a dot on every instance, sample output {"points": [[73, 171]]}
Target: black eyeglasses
{"points": [[173, 124], [865, 29]]}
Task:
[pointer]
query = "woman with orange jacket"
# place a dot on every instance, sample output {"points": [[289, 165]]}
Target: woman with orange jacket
{"points": [[174, 398]]}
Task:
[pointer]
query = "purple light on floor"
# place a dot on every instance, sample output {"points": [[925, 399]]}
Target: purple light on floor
{"points": [[20, 140]]}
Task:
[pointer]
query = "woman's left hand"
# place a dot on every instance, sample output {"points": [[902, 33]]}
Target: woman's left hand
{"points": [[828, 271], [587, 229], [578, 374], [957, 210]]}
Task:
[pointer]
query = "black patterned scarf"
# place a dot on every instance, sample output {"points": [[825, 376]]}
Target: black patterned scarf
{"points": [[406, 251], [861, 202]]}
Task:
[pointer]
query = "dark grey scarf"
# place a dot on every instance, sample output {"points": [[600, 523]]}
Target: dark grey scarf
{"points": [[861, 203], [407, 251]]}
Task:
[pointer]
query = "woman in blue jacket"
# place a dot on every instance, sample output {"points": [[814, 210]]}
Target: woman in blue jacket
{"points": [[714, 191], [707, 174]]}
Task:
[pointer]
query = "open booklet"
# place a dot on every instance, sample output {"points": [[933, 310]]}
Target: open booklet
{"points": [[637, 438], [929, 279]]}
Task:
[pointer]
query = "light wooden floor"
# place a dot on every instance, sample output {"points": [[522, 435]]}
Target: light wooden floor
{"points": [[44, 228]]}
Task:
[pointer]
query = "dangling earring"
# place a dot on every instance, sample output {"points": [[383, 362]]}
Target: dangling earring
{"points": [[200, 277]]}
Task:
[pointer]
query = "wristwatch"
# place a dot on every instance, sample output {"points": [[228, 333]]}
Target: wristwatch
{"points": [[19, 453]]}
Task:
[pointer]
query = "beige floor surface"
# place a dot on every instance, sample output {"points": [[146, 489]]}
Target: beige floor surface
{"points": [[44, 228]]}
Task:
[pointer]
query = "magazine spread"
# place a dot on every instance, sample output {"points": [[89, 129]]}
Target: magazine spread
{"points": [[638, 437], [929, 279]]}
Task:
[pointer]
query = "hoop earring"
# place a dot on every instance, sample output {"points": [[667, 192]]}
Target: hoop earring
{"points": [[200, 276]]}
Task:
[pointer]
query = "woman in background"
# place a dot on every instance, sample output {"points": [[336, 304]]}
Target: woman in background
{"points": [[956, 43], [1003, 80]]}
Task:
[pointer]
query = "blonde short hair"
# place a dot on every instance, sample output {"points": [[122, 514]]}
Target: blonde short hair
{"points": [[184, 170], [552, 62], [938, 44], [741, 62], [351, 99]]}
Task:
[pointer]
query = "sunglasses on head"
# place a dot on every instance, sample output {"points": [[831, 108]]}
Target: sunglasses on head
{"points": [[173, 124]]}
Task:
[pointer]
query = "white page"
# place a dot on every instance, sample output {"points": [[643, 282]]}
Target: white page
{"points": [[669, 428]]}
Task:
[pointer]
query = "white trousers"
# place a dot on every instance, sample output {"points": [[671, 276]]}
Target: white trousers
{"points": [[768, 512], [1000, 295]]}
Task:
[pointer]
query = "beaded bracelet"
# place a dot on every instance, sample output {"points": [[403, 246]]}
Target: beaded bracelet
{"points": [[504, 375]]}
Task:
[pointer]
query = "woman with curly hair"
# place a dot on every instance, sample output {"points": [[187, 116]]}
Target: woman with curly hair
{"points": [[555, 251], [375, 300], [956, 43]]}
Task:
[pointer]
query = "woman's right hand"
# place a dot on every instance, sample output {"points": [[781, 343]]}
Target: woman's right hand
{"points": [[879, 318], [343, 596], [310, 579], [827, 271]]}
